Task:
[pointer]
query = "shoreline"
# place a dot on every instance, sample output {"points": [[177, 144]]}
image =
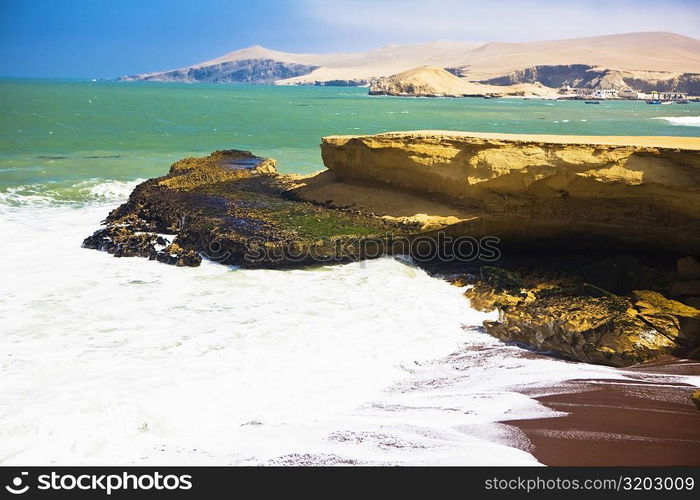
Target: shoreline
{"points": [[618, 422]]}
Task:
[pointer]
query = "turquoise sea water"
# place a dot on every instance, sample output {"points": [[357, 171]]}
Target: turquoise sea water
{"points": [[54, 134]]}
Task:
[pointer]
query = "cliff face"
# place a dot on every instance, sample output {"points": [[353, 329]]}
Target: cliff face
{"points": [[573, 75], [630, 190], [586, 76], [240, 71], [669, 82]]}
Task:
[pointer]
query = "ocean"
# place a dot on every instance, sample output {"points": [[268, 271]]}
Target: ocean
{"points": [[126, 361]]}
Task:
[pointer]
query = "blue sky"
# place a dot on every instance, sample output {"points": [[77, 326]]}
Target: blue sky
{"points": [[108, 38]]}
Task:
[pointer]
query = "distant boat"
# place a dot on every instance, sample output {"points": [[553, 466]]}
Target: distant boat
{"points": [[682, 101], [592, 102], [653, 101]]}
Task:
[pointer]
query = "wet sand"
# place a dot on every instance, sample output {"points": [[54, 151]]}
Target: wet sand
{"points": [[619, 423]]}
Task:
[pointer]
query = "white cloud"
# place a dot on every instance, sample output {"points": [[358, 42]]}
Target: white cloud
{"points": [[509, 20]]}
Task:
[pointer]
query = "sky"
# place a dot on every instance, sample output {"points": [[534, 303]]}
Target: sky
{"points": [[110, 38]]}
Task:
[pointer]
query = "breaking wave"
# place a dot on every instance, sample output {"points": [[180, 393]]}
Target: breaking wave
{"points": [[61, 193], [686, 121]]}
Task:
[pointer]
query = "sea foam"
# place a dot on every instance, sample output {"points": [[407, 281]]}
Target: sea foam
{"points": [[687, 121]]}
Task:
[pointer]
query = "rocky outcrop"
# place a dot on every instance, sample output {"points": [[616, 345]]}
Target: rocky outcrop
{"points": [[574, 75], [541, 189], [593, 77], [234, 208], [573, 200], [562, 313], [561, 209], [645, 81]]}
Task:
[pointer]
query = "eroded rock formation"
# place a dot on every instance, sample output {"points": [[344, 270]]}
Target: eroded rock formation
{"points": [[632, 191]]}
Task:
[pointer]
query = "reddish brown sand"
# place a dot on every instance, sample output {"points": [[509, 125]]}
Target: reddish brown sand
{"points": [[623, 423]]}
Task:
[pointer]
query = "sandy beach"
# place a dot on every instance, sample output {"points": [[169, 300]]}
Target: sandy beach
{"points": [[619, 423]]}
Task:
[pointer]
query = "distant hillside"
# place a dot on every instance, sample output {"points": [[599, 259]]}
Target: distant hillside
{"points": [[658, 60], [252, 65]]}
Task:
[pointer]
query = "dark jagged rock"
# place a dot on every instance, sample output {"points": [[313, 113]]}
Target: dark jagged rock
{"points": [[127, 236], [233, 207], [175, 255]]}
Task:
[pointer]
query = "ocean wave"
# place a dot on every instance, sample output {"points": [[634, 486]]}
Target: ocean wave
{"points": [[686, 121], [108, 190], [55, 193]]}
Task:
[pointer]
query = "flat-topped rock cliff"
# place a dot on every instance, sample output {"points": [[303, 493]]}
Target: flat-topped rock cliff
{"points": [[640, 191]]}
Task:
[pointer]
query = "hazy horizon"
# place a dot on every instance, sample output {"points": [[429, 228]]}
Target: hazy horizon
{"points": [[98, 39]]}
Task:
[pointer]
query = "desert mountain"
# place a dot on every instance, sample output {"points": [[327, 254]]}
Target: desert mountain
{"points": [[646, 59]]}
